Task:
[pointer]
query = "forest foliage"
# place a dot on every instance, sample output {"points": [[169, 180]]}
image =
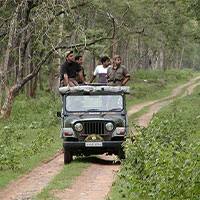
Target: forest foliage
{"points": [[34, 35]]}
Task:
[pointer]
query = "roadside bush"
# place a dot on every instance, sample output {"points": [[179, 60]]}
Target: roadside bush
{"points": [[12, 151], [161, 162], [29, 131]]}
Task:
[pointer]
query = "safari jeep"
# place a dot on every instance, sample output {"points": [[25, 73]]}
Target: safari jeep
{"points": [[94, 120]]}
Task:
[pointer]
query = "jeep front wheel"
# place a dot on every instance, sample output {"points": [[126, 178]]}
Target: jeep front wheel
{"points": [[67, 156]]}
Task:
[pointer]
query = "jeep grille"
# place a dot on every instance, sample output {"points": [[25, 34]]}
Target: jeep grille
{"points": [[94, 127]]}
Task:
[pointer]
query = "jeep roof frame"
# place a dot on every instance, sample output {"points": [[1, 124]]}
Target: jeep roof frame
{"points": [[94, 89]]}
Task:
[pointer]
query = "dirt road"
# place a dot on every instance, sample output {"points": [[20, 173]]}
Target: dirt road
{"points": [[96, 180]]}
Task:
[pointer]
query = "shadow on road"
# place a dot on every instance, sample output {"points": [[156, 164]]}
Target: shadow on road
{"points": [[103, 160]]}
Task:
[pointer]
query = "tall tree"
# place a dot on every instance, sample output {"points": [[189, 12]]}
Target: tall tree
{"points": [[33, 25], [147, 34]]}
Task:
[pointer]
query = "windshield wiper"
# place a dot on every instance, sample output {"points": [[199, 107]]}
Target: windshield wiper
{"points": [[115, 109], [92, 110]]}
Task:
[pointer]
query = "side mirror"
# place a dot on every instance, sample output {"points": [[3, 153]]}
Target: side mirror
{"points": [[58, 114]]}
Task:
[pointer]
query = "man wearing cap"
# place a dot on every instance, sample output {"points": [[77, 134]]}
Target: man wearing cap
{"points": [[69, 70], [117, 74]]}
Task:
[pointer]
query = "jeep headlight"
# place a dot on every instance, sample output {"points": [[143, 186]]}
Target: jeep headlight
{"points": [[109, 126], [78, 127]]}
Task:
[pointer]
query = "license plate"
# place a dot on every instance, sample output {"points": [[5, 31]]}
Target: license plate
{"points": [[93, 144]]}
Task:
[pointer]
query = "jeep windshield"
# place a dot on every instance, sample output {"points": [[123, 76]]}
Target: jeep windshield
{"points": [[94, 103]]}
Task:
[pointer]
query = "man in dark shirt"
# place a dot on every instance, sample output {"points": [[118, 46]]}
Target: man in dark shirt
{"points": [[69, 70], [79, 60]]}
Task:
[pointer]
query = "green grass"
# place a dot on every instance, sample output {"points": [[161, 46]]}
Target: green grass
{"points": [[146, 108], [150, 85], [157, 86]]}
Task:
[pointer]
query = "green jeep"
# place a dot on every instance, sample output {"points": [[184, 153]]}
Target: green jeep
{"points": [[93, 120]]}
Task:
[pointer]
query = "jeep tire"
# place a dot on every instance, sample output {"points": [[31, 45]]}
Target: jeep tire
{"points": [[67, 156]]}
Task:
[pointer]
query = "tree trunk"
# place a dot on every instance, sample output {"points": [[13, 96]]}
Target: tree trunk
{"points": [[40, 81], [7, 107], [33, 87], [181, 58], [1, 87], [164, 60], [139, 55], [3, 75]]}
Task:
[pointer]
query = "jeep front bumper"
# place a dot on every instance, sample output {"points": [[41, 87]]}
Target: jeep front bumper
{"points": [[84, 145]]}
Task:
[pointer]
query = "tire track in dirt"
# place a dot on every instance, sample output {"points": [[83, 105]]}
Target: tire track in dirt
{"points": [[145, 119], [96, 180], [174, 93], [94, 183], [32, 183]]}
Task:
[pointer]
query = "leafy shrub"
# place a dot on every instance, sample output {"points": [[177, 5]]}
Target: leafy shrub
{"points": [[12, 150], [29, 131], [161, 163]]}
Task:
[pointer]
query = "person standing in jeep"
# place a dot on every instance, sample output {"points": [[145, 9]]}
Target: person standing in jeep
{"points": [[69, 70], [79, 60], [101, 70], [117, 74]]}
